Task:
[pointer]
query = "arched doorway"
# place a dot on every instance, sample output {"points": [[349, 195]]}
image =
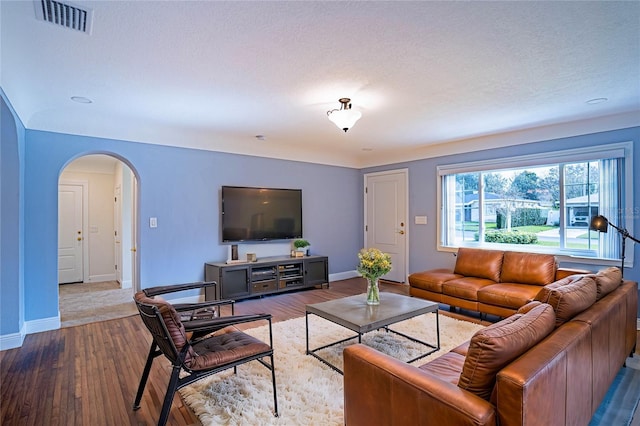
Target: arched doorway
{"points": [[97, 232]]}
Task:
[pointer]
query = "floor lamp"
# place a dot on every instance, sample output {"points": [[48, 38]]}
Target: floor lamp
{"points": [[601, 224]]}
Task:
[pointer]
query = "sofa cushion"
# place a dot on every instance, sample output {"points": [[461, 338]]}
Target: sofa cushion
{"points": [[465, 288], [431, 280], [508, 295], [607, 280], [446, 367], [480, 263], [570, 299], [528, 268], [494, 347]]}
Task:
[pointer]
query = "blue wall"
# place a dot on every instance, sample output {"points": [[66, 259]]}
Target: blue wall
{"points": [[11, 227], [181, 188], [423, 186]]}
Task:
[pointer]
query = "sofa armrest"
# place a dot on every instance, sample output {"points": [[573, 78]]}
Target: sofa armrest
{"points": [[382, 390]]}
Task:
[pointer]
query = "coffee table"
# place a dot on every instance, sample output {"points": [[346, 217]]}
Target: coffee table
{"points": [[353, 313]]}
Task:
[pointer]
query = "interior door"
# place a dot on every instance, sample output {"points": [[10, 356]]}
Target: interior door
{"points": [[386, 218], [70, 238]]}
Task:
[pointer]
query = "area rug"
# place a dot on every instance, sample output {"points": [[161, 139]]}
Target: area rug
{"points": [[621, 400], [309, 392]]}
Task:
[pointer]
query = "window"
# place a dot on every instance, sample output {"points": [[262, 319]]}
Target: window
{"points": [[539, 203]]}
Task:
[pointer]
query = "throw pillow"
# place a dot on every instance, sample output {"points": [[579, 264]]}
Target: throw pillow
{"points": [[571, 299], [607, 280], [494, 347], [543, 294]]}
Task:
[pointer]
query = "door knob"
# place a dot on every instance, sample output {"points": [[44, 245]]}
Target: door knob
{"points": [[401, 232], [79, 238]]}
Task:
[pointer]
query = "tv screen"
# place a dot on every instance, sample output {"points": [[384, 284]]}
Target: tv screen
{"points": [[260, 214]]}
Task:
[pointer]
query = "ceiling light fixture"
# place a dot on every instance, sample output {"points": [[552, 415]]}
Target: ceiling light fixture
{"points": [[345, 117]]}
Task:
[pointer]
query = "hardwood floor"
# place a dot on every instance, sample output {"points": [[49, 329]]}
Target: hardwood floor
{"points": [[88, 374]]}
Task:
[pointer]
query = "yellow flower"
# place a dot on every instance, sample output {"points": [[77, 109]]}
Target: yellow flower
{"points": [[373, 263]]}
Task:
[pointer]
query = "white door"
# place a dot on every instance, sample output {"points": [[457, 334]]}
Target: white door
{"points": [[70, 238], [386, 218]]}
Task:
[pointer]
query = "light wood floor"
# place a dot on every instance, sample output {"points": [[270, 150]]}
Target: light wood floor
{"points": [[88, 374]]}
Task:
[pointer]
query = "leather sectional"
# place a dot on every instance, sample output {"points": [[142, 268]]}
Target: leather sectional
{"points": [[551, 363]]}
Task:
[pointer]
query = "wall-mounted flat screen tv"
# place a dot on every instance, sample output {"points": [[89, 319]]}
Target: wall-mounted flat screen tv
{"points": [[260, 214]]}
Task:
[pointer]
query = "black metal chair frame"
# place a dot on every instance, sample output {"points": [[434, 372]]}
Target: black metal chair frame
{"points": [[200, 328]]}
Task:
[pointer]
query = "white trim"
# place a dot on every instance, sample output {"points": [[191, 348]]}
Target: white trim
{"points": [[11, 341], [614, 150], [343, 275], [102, 278], [43, 324]]}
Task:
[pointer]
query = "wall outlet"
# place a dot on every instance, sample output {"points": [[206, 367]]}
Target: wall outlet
{"points": [[153, 222]]}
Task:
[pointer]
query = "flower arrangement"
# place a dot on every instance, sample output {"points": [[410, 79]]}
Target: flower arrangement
{"points": [[373, 263]]}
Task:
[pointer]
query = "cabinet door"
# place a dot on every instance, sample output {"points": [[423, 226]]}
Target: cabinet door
{"points": [[316, 271], [234, 283]]}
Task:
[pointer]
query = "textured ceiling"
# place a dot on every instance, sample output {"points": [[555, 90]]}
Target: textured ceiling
{"points": [[428, 77]]}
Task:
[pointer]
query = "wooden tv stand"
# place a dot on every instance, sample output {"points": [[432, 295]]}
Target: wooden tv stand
{"points": [[268, 275]]}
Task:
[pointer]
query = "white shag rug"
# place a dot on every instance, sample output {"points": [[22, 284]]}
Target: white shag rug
{"points": [[309, 392]]}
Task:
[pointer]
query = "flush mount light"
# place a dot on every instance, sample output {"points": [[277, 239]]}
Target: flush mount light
{"points": [[596, 101], [81, 99], [345, 117]]}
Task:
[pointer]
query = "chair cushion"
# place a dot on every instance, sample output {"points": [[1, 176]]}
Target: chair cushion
{"points": [[528, 268], [607, 280], [479, 263], [492, 348], [570, 299], [225, 346]]}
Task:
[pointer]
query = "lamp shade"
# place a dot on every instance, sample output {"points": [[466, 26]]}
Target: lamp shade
{"points": [[599, 223], [345, 118]]}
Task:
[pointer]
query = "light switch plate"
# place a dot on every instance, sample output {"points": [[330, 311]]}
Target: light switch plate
{"points": [[153, 222]]}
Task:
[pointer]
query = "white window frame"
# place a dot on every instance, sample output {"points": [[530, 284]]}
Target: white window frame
{"points": [[621, 149]]}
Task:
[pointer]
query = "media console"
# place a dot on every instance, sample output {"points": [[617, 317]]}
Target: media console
{"points": [[268, 275]]}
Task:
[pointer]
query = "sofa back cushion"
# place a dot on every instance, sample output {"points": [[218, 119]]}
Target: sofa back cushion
{"points": [[494, 347], [528, 268], [607, 280], [479, 263], [569, 297]]}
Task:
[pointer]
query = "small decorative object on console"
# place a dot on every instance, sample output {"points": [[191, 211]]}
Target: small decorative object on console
{"points": [[373, 264]]}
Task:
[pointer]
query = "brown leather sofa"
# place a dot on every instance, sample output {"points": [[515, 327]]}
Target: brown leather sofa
{"points": [[551, 363], [492, 282]]}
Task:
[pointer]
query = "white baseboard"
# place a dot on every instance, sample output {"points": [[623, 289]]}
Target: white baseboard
{"points": [[343, 275], [43, 324], [102, 278], [11, 341], [126, 284], [15, 340]]}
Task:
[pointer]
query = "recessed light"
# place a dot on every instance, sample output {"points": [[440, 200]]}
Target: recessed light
{"points": [[81, 99], [596, 101]]}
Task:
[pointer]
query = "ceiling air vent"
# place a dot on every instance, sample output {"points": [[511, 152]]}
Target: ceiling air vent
{"points": [[64, 14]]}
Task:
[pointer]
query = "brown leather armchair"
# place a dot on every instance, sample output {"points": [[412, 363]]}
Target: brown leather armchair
{"points": [[200, 343]]}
